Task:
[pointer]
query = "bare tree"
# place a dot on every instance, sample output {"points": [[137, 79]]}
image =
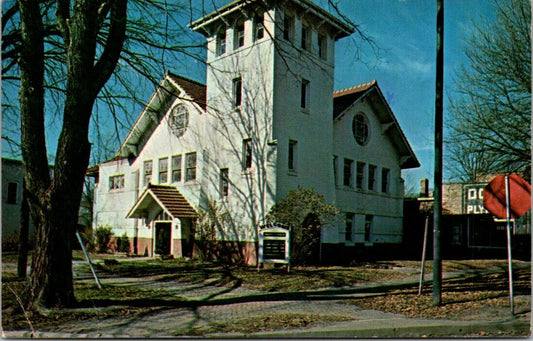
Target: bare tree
{"points": [[61, 54], [490, 123]]}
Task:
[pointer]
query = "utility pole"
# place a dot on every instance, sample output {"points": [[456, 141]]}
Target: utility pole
{"points": [[437, 208]]}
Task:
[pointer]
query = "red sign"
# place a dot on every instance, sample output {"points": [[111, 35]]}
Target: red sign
{"points": [[494, 198]]}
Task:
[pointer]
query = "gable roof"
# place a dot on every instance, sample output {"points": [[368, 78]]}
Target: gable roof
{"points": [[168, 198], [344, 100], [169, 89]]}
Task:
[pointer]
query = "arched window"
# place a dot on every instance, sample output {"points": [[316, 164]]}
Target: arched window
{"points": [[361, 129]]}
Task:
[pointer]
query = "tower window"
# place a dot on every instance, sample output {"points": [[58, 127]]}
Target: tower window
{"points": [[247, 154], [372, 177], [239, 34], [259, 27], [176, 168], [293, 144], [385, 180], [306, 38], [237, 92], [288, 24], [304, 99], [224, 182], [360, 174], [323, 46], [221, 42]]}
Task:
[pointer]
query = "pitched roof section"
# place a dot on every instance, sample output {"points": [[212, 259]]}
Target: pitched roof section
{"points": [[169, 89], [195, 89], [167, 197], [344, 100]]}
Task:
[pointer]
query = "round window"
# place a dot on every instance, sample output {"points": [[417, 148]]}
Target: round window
{"points": [[361, 129], [179, 120]]}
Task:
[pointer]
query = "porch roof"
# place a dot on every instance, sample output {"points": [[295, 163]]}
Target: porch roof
{"points": [[167, 197]]}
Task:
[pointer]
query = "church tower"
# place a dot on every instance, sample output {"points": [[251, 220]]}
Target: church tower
{"points": [[270, 75]]}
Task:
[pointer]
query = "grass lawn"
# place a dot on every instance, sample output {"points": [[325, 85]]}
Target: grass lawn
{"points": [[472, 294]]}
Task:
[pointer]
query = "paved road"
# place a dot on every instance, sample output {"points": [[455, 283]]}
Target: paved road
{"points": [[201, 305]]}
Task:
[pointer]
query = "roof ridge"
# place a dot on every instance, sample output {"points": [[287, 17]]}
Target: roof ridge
{"points": [[356, 87], [185, 78]]}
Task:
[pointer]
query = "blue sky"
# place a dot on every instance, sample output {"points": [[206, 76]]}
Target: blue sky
{"points": [[404, 66], [405, 32]]}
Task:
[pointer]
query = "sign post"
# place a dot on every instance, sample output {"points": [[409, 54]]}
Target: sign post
{"points": [[509, 197]]}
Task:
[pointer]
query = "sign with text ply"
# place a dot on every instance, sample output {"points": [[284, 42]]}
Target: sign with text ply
{"points": [[473, 199]]}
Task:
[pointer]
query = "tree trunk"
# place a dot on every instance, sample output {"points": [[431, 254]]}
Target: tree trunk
{"points": [[24, 233]]}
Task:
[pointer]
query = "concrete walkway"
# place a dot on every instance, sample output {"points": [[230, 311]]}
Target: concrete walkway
{"points": [[199, 306]]}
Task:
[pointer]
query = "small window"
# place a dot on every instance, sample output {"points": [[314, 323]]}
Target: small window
{"points": [[323, 47], [348, 170], [372, 177], [163, 170], [368, 227], [361, 129], [221, 42], [348, 231], [360, 174], [12, 191], [116, 182], [176, 168], [306, 37], [237, 92], [147, 172], [385, 172], [224, 182], [293, 144], [259, 27], [247, 154], [288, 24], [304, 100], [239, 34], [190, 159]]}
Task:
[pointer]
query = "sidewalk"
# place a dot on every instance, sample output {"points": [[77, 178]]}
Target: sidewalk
{"points": [[202, 306]]}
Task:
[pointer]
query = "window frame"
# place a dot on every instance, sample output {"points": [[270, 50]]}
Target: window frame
{"points": [[349, 219], [372, 178], [288, 27], [147, 171], [369, 223], [305, 94], [347, 176], [239, 39], [177, 168], [222, 42], [306, 36], [385, 180], [292, 161], [247, 154], [323, 46], [259, 26], [117, 182], [163, 162], [237, 92], [190, 168], [360, 175], [224, 182]]}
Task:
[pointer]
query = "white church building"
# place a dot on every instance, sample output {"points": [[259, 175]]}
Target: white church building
{"points": [[267, 121]]}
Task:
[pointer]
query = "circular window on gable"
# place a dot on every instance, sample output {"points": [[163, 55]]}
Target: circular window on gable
{"points": [[361, 129], [179, 120]]}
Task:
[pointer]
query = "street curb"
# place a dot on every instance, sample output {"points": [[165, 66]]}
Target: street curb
{"points": [[407, 329]]}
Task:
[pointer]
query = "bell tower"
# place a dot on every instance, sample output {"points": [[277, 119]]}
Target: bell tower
{"points": [[270, 69]]}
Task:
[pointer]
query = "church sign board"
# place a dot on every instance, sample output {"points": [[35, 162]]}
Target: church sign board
{"points": [[274, 245]]}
